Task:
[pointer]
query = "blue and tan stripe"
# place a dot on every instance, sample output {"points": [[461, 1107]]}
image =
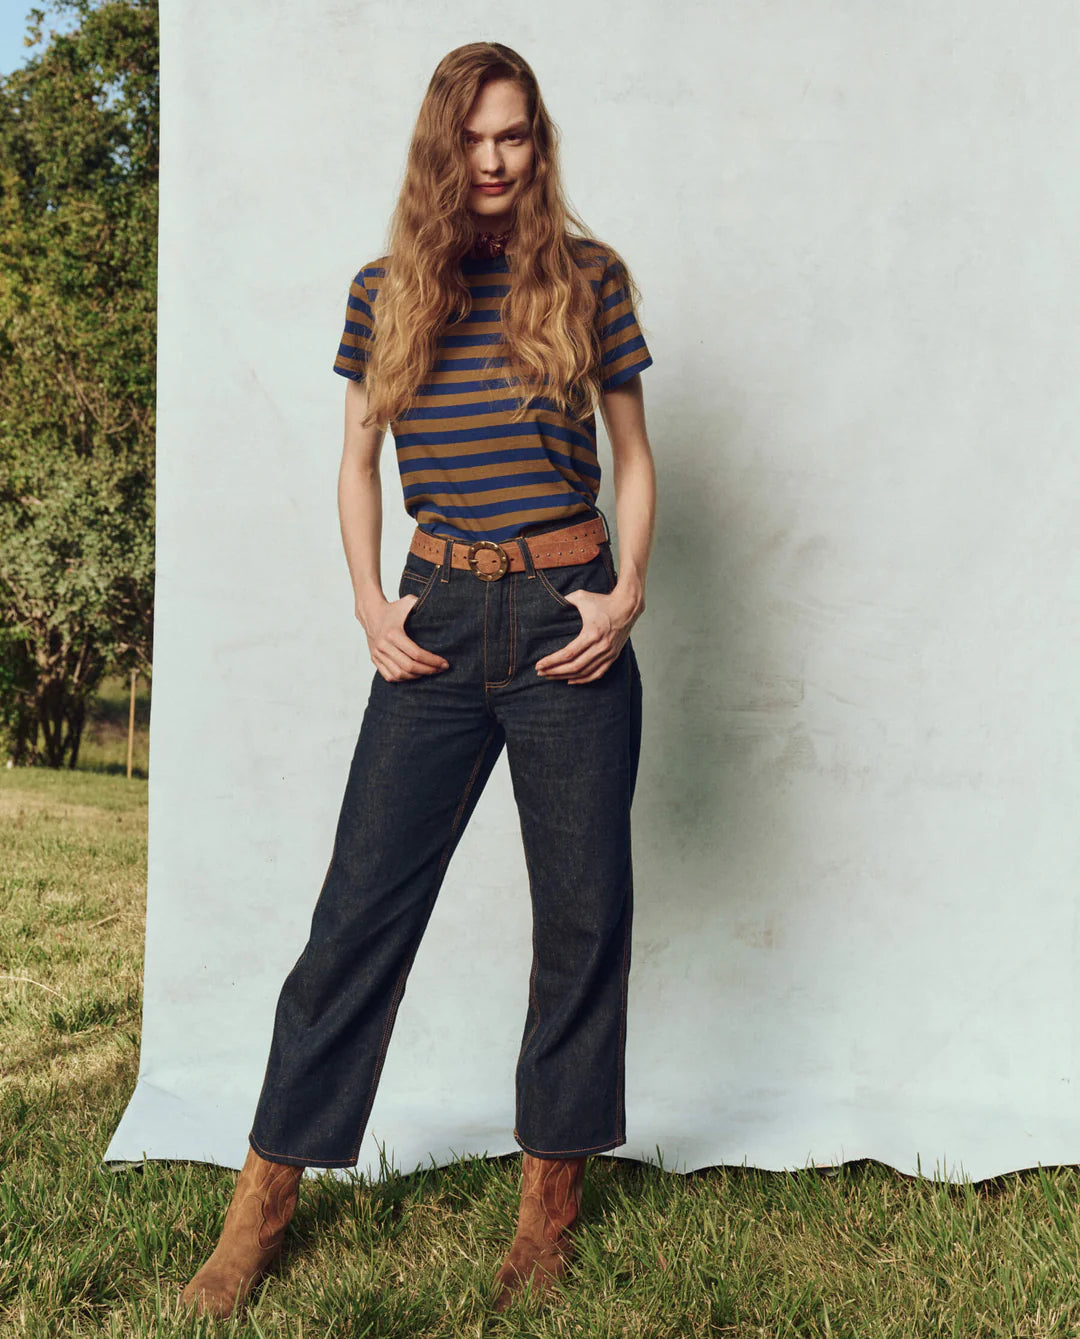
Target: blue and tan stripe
{"points": [[465, 470]]}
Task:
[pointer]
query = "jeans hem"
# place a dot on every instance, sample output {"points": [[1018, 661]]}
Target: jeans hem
{"points": [[298, 1160], [570, 1153]]}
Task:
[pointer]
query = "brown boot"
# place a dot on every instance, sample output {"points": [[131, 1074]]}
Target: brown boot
{"points": [[550, 1203], [262, 1204]]}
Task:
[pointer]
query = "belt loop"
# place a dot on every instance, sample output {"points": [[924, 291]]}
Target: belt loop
{"points": [[447, 558], [526, 555], [607, 528]]}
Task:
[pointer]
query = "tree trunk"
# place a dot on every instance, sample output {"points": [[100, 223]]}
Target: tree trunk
{"points": [[61, 701], [76, 720]]}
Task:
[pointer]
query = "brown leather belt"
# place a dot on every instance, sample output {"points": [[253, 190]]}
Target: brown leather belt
{"points": [[488, 560]]}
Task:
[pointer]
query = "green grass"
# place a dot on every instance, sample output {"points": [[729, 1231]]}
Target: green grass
{"points": [[860, 1251], [103, 747]]}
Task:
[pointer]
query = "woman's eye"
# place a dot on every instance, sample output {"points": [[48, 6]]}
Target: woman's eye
{"points": [[471, 141]]}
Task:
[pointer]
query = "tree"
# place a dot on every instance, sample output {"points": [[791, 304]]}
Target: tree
{"points": [[78, 261]]}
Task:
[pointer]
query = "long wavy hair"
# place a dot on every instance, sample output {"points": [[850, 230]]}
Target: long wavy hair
{"points": [[550, 343]]}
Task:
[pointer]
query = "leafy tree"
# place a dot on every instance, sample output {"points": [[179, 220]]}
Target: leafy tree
{"points": [[78, 233]]}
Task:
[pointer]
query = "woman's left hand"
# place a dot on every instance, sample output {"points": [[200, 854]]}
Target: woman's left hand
{"points": [[606, 621]]}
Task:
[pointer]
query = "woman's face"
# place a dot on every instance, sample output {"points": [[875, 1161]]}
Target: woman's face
{"points": [[499, 150]]}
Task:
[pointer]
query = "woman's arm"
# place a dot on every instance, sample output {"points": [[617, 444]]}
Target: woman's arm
{"points": [[623, 412], [606, 620], [393, 651], [360, 504]]}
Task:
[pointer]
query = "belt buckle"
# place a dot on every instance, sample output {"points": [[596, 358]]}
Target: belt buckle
{"points": [[504, 561]]}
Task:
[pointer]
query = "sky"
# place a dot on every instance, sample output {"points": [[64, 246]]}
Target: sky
{"points": [[13, 30]]}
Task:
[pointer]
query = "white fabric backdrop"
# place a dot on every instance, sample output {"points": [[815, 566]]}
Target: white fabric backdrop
{"points": [[856, 848]]}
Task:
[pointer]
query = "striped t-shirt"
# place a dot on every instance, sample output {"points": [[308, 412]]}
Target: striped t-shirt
{"points": [[465, 471]]}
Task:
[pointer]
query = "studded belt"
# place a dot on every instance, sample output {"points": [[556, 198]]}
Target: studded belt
{"points": [[489, 561]]}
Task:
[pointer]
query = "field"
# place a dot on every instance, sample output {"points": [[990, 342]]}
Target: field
{"points": [[858, 1251], [104, 741]]}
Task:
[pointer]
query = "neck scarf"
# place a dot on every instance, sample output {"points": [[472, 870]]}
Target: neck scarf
{"points": [[489, 244]]}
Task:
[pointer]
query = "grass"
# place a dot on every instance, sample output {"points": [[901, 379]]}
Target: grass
{"points": [[103, 747], [858, 1251]]}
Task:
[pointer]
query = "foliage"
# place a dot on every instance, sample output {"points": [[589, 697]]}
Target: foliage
{"points": [[78, 231]]}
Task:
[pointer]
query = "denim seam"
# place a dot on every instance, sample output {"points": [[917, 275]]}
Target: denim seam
{"points": [[300, 1157], [609, 565], [529, 567], [533, 1001], [258, 1147], [498, 683], [429, 582], [570, 1153], [620, 1087], [569, 604], [399, 988]]}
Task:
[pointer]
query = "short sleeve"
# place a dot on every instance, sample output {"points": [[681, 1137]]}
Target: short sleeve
{"points": [[623, 348], [359, 334]]}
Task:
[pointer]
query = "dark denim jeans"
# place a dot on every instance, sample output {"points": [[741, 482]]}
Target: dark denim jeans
{"points": [[425, 750]]}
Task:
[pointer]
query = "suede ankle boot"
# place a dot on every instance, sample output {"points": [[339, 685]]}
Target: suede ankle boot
{"points": [[550, 1203], [262, 1205]]}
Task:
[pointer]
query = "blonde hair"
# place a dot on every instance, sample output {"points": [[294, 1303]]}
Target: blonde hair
{"points": [[549, 336]]}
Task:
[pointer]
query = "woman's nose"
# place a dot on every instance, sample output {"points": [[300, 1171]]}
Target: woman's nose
{"points": [[489, 158]]}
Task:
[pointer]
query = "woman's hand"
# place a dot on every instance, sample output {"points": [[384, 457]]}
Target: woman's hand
{"points": [[606, 621], [394, 653]]}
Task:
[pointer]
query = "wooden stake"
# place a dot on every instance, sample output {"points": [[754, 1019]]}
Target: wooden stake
{"points": [[131, 723]]}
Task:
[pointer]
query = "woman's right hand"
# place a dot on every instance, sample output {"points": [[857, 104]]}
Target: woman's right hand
{"points": [[393, 652]]}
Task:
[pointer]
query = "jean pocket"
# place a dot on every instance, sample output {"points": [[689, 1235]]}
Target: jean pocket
{"points": [[596, 575], [418, 578]]}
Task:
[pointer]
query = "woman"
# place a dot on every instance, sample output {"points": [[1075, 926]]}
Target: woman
{"points": [[485, 338]]}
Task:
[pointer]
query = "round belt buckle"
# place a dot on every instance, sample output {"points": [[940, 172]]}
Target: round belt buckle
{"points": [[504, 561]]}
